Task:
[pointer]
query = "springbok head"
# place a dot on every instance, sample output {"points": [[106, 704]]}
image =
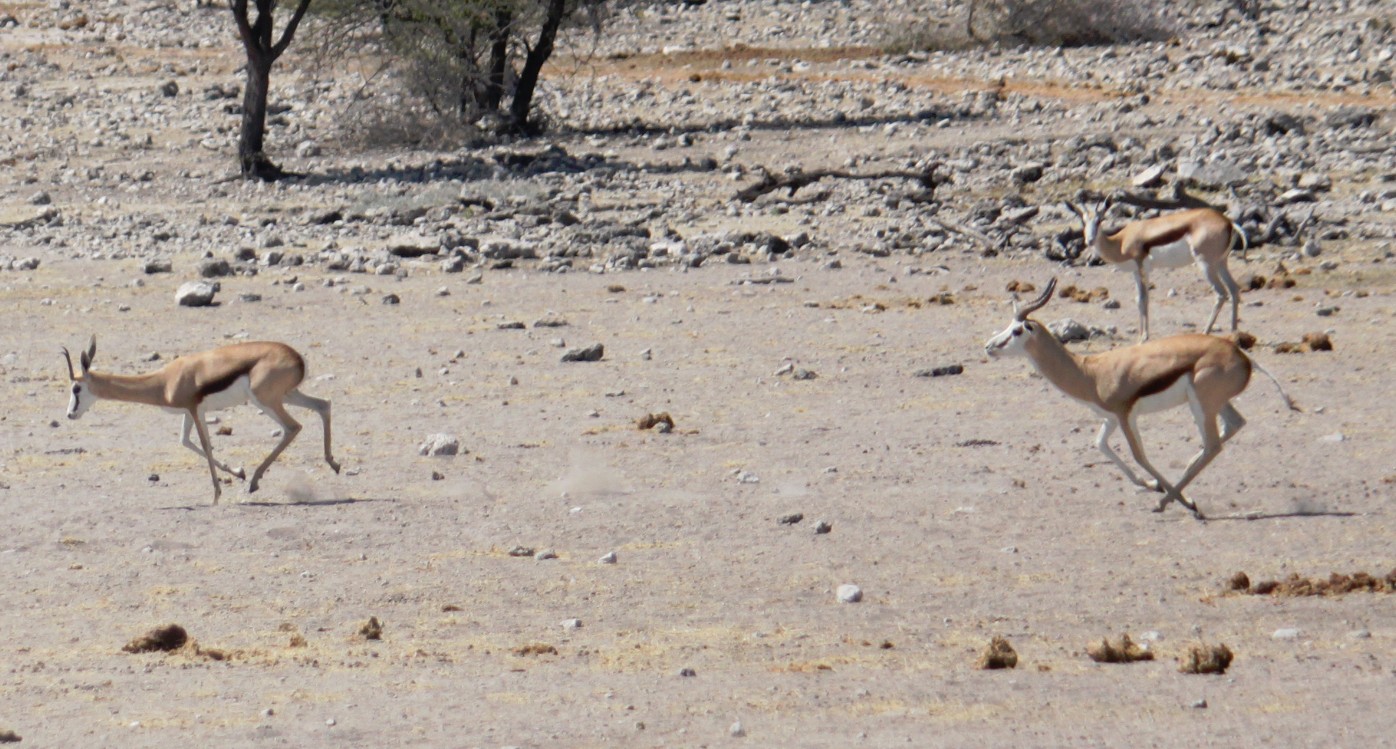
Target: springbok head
{"points": [[1011, 341], [81, 400], [1090, 215]]}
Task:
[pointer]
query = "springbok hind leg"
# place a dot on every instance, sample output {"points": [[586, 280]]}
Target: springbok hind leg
{"points": [[289, 429], [319, 406]]}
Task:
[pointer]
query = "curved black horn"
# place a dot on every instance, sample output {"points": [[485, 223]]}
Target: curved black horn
{"points": [[1021, 313], [69, 357]]}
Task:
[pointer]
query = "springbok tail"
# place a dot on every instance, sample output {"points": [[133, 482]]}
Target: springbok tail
{"points": [[1237, 231], [1278, 386]]}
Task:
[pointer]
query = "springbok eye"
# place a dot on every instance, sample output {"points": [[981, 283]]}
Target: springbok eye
{"points": [[1017, 332], [77, 389]]}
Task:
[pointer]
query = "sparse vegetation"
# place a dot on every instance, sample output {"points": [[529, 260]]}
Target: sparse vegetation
{"points": [[1037, 23]]}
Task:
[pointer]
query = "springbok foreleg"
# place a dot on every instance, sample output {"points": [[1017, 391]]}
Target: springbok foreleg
{"points": [[319, 406], [1141, 286], [1136, 448], [197, 414], [289, 429], [1102, 441], [184, 439]]}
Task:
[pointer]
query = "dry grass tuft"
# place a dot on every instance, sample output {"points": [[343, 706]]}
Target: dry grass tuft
{"points": [[1124, 652], [999, 654], [1205, 659]]}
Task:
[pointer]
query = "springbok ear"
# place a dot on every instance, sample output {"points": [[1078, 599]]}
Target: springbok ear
{"points": [[85, 359]]}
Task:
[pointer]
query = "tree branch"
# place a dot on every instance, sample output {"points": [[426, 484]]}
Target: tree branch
{"points": [[800, 178]]}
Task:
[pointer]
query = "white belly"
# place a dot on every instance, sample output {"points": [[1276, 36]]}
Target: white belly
{"points": [[1176, 395], [237, 394], [1175, 255]]}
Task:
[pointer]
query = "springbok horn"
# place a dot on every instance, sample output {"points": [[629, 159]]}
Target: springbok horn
{"points": [[1021, 314], [67, 356]]}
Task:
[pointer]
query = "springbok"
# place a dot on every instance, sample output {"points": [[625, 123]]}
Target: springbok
{"points": [[1200, 235], [1203, 371], [266, 374]]}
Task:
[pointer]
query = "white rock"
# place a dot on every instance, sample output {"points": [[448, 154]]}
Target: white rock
{"points": [[849, 593], [195, 294], [440, 444]]}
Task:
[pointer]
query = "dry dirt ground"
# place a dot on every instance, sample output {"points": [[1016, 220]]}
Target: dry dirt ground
{"points": [[964, 506]]}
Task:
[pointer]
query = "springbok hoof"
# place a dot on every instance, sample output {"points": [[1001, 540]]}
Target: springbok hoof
{"points": [[334, 465]]}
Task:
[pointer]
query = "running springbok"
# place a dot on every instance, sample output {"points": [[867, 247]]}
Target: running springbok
{"points": [[1200, 235], [267, 375], [1203, 371]]}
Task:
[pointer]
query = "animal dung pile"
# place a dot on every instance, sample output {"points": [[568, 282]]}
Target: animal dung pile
{"points": [[1125, 651], [1243, 340], [1310, 342], [1336, 584], [1021, 287], [160, 639], [535, 648], [999, 654], [662, 420], [1083, 296], [371, 629], [1205, 659]]}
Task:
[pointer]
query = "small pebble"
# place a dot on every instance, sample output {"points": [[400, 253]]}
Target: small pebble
{"points": [[822, 527], [609, 558], [850, 593], [1286, 633], [686, 672]]}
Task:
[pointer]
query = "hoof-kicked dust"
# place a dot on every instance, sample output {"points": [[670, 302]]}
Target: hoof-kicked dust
{"points": [[1124, 651], [1205, 659], [999, 654]]}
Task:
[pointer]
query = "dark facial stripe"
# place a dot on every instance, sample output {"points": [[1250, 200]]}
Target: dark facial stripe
{"points": [[1164, 382], [224, 382]]}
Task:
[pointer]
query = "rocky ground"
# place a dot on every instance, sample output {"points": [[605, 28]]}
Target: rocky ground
{"points": [[569, 579]]}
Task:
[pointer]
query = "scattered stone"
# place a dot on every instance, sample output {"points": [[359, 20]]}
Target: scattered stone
{"points": [[607, 558], [1205, 659], [571, 623], [535, 648], [822, 527], [999, 654], [1285, 633], [736, 730], [169, 637], [849, 593], [215, 268], [391, 299], [9, 737], [521, 551], [1199, 704], [371, 629], [1239, 581], [593, 352], [790, 519], [1067, 330], [440, 444], [511, 325], [196, 294], [1151, 177], [687, 673], [544, 555], [945, 371], [550, 322], [803, 374]]}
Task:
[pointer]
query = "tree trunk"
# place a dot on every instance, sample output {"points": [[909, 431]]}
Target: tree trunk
{"points": [[256, 38], [499, 59], [251, 156], [533, 66]]}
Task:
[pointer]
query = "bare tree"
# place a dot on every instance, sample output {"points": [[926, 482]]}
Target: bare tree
{"points": [[262, 52]]}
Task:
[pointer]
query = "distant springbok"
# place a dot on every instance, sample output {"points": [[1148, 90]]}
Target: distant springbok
{"points": [[265, 374], [1203, 371], [1173, 240]]}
